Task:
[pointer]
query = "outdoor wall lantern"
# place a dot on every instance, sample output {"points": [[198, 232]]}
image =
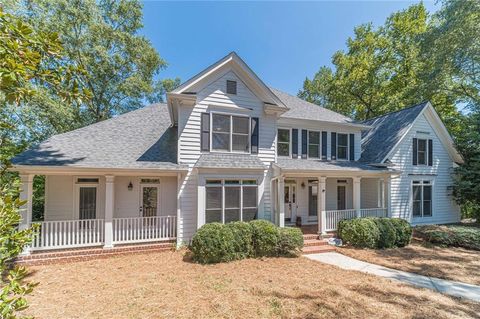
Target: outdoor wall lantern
{"points": [[130, 186], [303, 185]]}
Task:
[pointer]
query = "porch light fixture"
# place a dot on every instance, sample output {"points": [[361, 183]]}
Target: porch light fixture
{"points": [[130, 186], [303, 185]]}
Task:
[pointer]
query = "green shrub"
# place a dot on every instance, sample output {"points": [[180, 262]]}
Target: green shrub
{"points": [[388, 233], [290, 241], [242, 239], [265, 238], [213, 243], [403, 230], [451, 235], [359, 232]]}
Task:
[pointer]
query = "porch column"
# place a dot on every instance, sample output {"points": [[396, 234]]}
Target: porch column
{"points": [[321, 204], [356, 195], [109, 206], [281, 199], [26, 194], [387, 181]]}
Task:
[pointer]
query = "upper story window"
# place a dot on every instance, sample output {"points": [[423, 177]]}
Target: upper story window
{"points": [[421, 199], [231, 87], [283, 142], [342, 146], [230, 133], [422, 151], [313, 144]]}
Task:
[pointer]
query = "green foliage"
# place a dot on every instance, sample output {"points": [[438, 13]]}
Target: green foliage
{"points": [[451, 235], [265, 238], [290, 241], [213, 243], [388, 233], [385, 69], [403, 231], [242, 239], [359, 232], [13, 289]]}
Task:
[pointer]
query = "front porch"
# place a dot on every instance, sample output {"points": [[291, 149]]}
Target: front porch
{"points": [[95, 211], [318, 204]]}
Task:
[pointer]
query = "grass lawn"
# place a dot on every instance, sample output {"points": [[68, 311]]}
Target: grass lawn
{"points": [[166, 285], [424, 258]]}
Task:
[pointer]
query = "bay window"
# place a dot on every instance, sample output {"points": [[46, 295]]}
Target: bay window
{"points": [[230, 200], [421, 199]]}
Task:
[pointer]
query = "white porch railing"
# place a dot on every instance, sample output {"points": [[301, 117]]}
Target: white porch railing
{"points": [[373, 212], [335, 216], [144, 229], [69, 234]]}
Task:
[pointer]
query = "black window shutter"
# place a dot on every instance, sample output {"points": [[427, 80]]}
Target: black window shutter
{"points": [[334, 146], [205, 138], [352, 147], [324, 145], [254, 137], [294, 143], [304, 143], [430, 152], [415, 151]]}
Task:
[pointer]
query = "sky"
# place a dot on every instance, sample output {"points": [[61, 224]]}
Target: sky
{"points": [[283, 42]]}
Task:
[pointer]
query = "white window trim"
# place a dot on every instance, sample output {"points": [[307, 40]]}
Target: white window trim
{"points": [[426, 151], [421, 180], [249, 140], [348, 146], [77, 187], [223, 186], [319, 144], [289, 142]]}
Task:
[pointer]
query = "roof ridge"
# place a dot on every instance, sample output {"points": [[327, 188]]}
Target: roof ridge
{"points": [[393, 112]]}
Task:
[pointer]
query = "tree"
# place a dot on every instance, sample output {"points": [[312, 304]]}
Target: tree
{"points": [[382, 70], [102, 37]]}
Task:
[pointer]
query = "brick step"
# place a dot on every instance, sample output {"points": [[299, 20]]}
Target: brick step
{"points": [[317, 249], [315, 242], [87, 254], [310, 236]]}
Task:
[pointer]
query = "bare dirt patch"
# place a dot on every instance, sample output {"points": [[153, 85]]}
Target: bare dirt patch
{"points": [[420, 257], [165, 285]]}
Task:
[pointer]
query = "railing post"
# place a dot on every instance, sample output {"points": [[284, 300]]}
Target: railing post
{"points": [[357, 196], [109, 206]]}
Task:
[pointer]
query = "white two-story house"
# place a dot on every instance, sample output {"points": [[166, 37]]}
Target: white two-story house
{"points": [[226, 147]]}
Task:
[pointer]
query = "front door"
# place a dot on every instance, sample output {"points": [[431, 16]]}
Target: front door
{"points": [[290, 201], [149, 204], [341, 197]]}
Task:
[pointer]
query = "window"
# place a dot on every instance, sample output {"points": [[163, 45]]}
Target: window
{"points": [[342, 146], [230, 200], [230, 133], [421, 152], [231, 87], [283, 142], [422, 199], [313, 144], [87, 180]]}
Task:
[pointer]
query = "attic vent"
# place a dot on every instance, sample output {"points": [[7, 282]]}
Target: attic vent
{"points": [[231, 87]]}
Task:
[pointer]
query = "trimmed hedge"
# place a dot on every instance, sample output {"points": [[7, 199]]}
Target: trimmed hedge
{"points": [[451, 235], [373, 232], [215, 242]]}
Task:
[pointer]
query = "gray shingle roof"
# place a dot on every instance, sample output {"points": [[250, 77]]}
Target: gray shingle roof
{"points": [[386, 131], [319, 165], [222, 160], [135, 140], [301, 109]]}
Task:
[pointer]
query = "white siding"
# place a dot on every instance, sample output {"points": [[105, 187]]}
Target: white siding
{"points": [[445, 210], [369, 193], [212, 98]]}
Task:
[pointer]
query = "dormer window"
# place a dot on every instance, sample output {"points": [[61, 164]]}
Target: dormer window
{"points": [[231, 87]]}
